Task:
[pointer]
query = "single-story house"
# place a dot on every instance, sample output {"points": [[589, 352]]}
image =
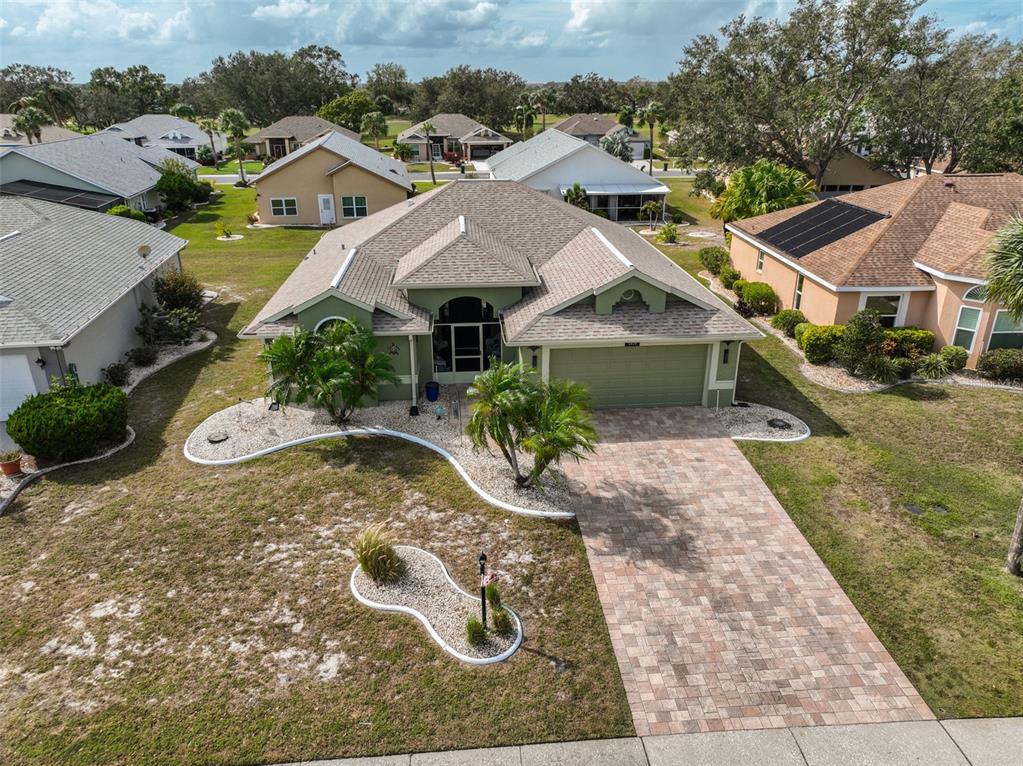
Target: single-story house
{"points": [[849, 172], [10, 136], [289, 133], [168, 132], [332, 180], [913, 250], [94, 172], [593, 127], [453, 133], [553, 161], [481, 269], [71, 284]]}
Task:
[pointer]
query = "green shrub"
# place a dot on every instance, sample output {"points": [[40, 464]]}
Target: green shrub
{"points": [[862, 339], [475, 632], [799, 330], [178, 290], [786, 321], [738, 286], [879, 367], [714, 259], [999, 364], [761, 297], [69, 422], [932, 366], [493, 596], [174, 326], [376, 555], [905, 366], [820, 342], [743, 309], [955, 356], [143, 356], [503, 623], [202, 191], [910, 341], [668, 233], [123, 211], [9, 456], [728, 277], [116, 373]]}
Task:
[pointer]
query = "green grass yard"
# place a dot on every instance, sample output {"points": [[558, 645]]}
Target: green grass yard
{"points": [[227, 168]]}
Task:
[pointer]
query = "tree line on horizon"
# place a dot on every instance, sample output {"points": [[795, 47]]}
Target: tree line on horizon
{"points": [[834, 76]]}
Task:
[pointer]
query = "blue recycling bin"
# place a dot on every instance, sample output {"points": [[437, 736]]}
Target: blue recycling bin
{"points": [[432, 391]]}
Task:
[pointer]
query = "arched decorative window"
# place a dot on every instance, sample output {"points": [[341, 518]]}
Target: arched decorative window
{"points": [[327, 322], [977, 294]]}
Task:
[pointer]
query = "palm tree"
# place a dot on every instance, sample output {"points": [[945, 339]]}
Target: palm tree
{"points": [[427, 128], [209, 126], [542, 100], [401, 151], [650, 211], [59, 100], [524, 117], [762, 187], [24, 101], [183, 111], [577, 196], [626, 115], [288, 357], [234, 123], [30, 121], [562, 426], [651, 114], [1004, 267], [501, 398], [374, 125]]}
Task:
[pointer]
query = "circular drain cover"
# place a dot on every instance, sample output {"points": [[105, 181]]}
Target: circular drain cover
{"points": [[915, 509], [781, 425], [939, 509], [217, 437]]}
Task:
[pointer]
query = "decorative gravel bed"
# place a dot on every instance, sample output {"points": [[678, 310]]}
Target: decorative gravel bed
{"points": [[426, 588], [752, 422], [250, 426], [167, 355]]}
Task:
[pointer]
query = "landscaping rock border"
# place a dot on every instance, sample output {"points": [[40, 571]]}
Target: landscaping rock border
{"points": [[167, 355], [427, 592], [749, 423]]}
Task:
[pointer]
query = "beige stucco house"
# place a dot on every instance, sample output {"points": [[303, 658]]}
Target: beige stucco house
{"points": [[913, 250], [330, 181], [291, 133], [852, 172], [453, 133]]}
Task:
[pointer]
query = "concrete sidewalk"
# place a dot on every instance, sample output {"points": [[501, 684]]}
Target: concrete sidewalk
{"points": [[973, 742]]}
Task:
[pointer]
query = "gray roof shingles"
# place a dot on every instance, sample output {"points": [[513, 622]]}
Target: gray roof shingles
{"points": [[154, 129], [454, 125], [302, 128]]}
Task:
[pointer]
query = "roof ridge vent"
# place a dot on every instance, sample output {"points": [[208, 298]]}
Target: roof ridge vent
{"points": [[344, 268], [614, 250], [461, 224], [9, 235]]}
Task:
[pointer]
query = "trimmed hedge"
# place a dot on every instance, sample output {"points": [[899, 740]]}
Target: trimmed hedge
{"points": [[910, 339], [999, 364], [714, 259], [820, 342], [798, 331], [761, 297], [738, 286], [955, 356], [786, 320], [70, 422], [729, 276]]}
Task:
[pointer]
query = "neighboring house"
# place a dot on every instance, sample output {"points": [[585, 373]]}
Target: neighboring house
{"points": [[289, 133], [453, 133], [852, 172], [71, 284], [331, 180], [9, 136], [913, 250], [591, 128], [939, 166], [93, 172], [480, 269], [168, 132], [552, 162]]}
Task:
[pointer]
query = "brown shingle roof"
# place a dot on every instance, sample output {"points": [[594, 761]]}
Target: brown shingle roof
{"points": [[301, 127], [593, 124], [942, 222], [456, 126]]}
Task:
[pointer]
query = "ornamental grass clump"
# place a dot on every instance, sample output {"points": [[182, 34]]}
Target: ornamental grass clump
{"points": [[932, 366], [377, 556], [503, 623], [475, 631]]}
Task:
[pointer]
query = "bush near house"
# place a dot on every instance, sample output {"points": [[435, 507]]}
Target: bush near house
{"points": [[714, 259], [798, 331], [70, 422], [820, 342], [760, 296], [738, 286], [908, 341], [931, 366], [999, 364], [178, 290], [728, 277], [161, 326], [955, 356], [116, 373], [123, 211], [787, 320]]}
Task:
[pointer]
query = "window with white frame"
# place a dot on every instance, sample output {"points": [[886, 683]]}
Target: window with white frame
{"points": [[887, 306], [977, 294], [1005, 333], [760, 260], [797, 301], [354, 207], [284, 206], [966, 327]]}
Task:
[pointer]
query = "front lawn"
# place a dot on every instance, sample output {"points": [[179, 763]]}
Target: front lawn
{"points": [[229, 168], [424, 167], [695, 210], [156, 611], [931, 586]]}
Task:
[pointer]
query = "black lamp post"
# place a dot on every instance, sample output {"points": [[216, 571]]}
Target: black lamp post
{"points": [[483, 587]]}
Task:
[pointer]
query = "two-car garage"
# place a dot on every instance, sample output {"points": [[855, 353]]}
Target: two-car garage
{"points": [[635, 375]]}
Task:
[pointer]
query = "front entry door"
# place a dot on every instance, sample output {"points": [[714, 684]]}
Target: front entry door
{"points": [[468, 346], [326, 209]]}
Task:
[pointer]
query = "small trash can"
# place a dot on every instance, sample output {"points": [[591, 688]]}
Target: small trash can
{"points": [[432, 391]]}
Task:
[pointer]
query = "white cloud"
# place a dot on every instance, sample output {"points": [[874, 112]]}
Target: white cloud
{"points": [[3, 23], [289, 9]]}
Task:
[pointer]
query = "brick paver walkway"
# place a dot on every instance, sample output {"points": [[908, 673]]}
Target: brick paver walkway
{"points": [[721, 615]]}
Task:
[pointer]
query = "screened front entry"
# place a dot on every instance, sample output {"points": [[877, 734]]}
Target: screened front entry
{"points": [[466, 334]]}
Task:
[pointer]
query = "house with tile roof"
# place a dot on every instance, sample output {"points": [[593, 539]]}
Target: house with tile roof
{"points": [[453, 133], [94, 172], [479, 270], [331, 181], [72, 282], [168, 132], [289, 133], [913, 250], [10, 136], [595, 126], [553, 162]]}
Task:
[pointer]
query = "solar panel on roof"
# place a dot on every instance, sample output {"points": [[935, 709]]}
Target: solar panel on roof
{"points": [[827, 222], [61, 194]]}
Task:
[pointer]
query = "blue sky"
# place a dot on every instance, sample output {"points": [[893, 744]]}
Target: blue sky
{"points": [[541, 40]]}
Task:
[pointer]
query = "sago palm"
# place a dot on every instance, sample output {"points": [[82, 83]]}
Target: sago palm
{"points": [[760, 188], [500, 397], [562, 427], [288, 357]]}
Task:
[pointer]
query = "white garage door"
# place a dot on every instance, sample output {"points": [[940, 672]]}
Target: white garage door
{"points": [[16, 382]]}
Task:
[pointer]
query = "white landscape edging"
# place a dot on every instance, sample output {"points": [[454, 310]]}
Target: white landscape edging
{"points": [[397, 435], [430, 629], [193, 348], [801, 437]]}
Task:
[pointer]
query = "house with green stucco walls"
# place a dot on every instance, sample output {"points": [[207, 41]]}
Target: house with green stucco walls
{"points": [[480, 270]]}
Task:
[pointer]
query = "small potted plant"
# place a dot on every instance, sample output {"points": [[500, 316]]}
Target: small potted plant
{"points": [[10, 462]]}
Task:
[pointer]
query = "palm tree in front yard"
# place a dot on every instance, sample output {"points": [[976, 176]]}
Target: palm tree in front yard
{"points": [[1004, 266], [30, 121], [427, 130], [576, 195], [235, 123], [650, 211], [374, 125], [651, 114], [209, 127]]}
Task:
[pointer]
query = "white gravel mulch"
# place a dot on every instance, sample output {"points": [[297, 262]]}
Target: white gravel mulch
{"points": [[167, 355], [251, 427], [425, 588], [750, 422]]}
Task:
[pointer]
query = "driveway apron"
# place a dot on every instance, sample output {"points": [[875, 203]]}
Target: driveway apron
{"points": [[721, 615]]}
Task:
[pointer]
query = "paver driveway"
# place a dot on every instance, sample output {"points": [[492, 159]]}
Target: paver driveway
{"points": [[721, 614]]}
